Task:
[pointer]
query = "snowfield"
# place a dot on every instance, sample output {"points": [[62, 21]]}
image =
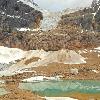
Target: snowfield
{"points": [[8, 55]]}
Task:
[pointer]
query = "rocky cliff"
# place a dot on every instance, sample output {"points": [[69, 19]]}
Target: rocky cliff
{"points": [[79, 29], [87, 19], [16, 14]]}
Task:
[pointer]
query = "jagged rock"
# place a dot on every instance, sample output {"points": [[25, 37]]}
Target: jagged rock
{"points": [[15, 14]]}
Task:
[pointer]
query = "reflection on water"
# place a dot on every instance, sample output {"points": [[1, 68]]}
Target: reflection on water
{"points": [[62, 88]]}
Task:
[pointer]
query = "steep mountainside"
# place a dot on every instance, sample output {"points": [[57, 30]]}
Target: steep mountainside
{"points": [[79, 29], [16, 14], [86, 19]]}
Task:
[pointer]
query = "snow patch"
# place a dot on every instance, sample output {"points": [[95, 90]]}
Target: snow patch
{"points": [[98, 48], [95, 71], [8, 55], [2, 81], [59, 98], [28, 29], [40, 78], [50, 19]]}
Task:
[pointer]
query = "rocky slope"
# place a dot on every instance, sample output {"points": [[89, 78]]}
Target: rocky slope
{"points": [[79, 29], [87, 18], [16, 14]]}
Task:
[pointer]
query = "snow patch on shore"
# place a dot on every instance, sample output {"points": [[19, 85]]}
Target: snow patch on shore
{"points": [[59, 98], [40, 78]]}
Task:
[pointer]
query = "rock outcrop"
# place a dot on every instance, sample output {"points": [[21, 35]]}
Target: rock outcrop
{"points": [[15, 14], [87, 19], [79, 29]]}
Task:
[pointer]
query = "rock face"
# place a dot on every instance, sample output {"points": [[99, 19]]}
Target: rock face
{"points": [[87, 19], [16, 14], [79, 29]]}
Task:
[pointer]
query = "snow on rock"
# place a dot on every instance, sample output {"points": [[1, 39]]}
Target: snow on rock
{"points": [[95, 71], [61, 56], [8, 55], [29, 2], [59, 98], [98, 48], [83, 51], [74, 71], [40, 78], [2, 81], [27, 29], [50, 20]]}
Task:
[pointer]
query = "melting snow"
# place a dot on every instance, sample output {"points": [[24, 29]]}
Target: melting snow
{"points": [[8, 55], [27, 29], [98, 48], [59, 98], [50, 19], [40, 78], [95, 71], [2, 81]]}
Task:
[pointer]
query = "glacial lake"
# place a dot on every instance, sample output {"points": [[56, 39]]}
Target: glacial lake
{"points": [[62, 88]]}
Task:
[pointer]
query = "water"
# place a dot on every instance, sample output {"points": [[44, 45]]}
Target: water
{"points": [[62, 88]]}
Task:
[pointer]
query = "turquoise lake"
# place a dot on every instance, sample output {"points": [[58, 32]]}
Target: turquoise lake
{"points": [[62, 88]]}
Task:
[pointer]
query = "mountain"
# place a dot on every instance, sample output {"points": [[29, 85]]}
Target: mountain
{"points": [[87, 18], [74, 29], [17, 14]]}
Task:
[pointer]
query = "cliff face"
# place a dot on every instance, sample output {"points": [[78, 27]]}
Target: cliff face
{"points": [[87, 19], [16, 14], [76, 30]]}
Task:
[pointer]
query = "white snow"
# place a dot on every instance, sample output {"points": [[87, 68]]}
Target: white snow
{"points": [[2, 81], [98, 55], [74, 71], [61, 56], [98, 48], [8, 55], [27, 29], [50, 19], [95, 71], [40, 78], [94, 14], [59, 98], [83, 51], [33, 5]]}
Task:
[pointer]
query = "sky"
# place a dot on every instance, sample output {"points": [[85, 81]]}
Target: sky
{"points": [[58, 5]]}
